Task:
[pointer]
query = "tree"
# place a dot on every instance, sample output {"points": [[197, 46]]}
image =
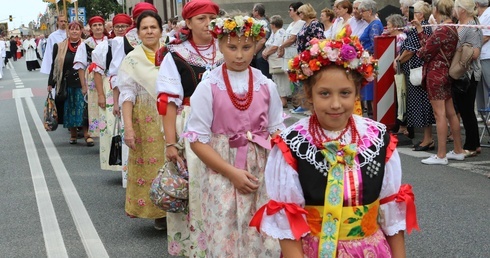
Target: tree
{"points": [[102, 8]]}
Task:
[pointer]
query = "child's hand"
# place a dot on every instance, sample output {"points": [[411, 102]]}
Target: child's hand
{"points": [[244, 182]]}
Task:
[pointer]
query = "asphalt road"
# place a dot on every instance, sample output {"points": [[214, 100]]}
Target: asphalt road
{"points": [[56, 201]]}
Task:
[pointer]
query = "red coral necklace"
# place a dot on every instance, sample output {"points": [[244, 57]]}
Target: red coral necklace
{"points": [[319, 136], [73, 48], [241, 103]]}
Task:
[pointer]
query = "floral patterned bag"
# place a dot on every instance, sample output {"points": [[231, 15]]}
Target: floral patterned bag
{"points": [[170, 189]]}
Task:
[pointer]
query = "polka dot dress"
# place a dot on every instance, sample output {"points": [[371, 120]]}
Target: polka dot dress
{"points": [[419, 110]]}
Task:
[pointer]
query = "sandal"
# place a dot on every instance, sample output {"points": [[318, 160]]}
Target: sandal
{"points": [[469, 154], [73, 140], [430, 146], [89, 141]]}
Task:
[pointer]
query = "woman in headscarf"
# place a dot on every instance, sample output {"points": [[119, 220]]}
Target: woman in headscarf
{"points": [[65, 78], [101, 59], [142, 132], [187, 61], [120, 47], [82, 62]]}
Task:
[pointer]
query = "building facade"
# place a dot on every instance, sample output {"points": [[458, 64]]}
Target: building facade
{"points": [[171, 8]]}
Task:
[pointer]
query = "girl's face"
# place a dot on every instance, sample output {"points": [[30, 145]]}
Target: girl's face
{"points": [[333, 97], [97, 29], [149, 32], [199, 26], [238, 54], [74, 33]]}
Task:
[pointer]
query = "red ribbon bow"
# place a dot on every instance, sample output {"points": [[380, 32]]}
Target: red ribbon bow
{"points": [[405, 194], [162, 102], [288, 156], [294, 213]]}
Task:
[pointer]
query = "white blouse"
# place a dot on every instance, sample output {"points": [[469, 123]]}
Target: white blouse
{"points": [[81, 58], [168, 80], [202, 115], [283, 185]]}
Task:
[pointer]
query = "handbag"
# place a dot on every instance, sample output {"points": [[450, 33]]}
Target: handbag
{"points": [[461, 84], [401, 92], [50, 114], [115, 153], [169, 191], [416, 76], [275, 64], [461, 61]]}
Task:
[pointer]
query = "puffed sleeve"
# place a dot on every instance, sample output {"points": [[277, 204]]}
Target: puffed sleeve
{"points": [[201, 117], [276, 120], [393, 212], [80, 61], [168, 81], [283, 216], [127, 86], [99, 56], [118, 54]]}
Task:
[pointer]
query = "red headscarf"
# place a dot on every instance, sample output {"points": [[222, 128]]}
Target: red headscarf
{"points": [[138, 9], [95, 19], [196, 7], [141, 7], [122, 18]]}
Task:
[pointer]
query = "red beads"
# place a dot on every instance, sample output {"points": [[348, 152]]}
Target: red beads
{"points": [[241, 103]]}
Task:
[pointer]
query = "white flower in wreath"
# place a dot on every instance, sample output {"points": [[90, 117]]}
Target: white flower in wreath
{"points": [[239, 21], [220, 23], [354, 63]]}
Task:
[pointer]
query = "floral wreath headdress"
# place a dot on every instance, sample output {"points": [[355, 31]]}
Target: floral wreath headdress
{"points": [[344, 51], [238, 26]]}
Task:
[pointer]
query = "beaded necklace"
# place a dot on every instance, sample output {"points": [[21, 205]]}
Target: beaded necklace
{"points": [[239, 102], [319, 136], [73, 48]]}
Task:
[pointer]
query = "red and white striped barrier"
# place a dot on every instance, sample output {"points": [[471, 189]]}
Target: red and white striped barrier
{"points": [[384, 108]]}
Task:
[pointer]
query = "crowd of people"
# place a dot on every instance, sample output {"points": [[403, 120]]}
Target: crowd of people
{"points": [[208, 93], [28, 46]]}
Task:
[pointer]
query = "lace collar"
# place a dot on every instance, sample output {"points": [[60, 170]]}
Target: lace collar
{"points": [[216, 77], [371, 141]]}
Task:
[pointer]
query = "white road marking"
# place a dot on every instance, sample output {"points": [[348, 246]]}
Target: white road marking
{"points": [[86, 229], [19, 86], [55, 246]]}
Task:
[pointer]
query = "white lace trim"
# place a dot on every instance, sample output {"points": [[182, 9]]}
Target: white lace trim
{"points": [[239, 80], [275, 128], [371, 132], [277, 226], [167, 80]]}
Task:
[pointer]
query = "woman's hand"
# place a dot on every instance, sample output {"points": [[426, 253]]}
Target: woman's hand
{"points": [[417, 25], [243, 181], [84, 90], [172, 154], [129, 138], [115, 110], [101, 100], [50, 88], [280, 51]]}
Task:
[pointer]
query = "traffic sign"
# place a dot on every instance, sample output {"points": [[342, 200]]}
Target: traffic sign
{"points": [[81, 15], [43, 26]]}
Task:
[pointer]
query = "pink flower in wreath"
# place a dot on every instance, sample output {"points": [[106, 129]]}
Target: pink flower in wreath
{"points": [[174, 248], [152, 160], [141, 202], [141, 181], [149, 119], [140, 161]]}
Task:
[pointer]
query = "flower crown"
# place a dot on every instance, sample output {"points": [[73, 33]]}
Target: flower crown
{"points": [[345, 51], [238, 26]]}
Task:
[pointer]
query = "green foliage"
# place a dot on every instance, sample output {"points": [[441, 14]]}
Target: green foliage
{"points": [[102, 8]]}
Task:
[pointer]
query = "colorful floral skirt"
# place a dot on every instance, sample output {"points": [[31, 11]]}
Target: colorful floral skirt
{"points": [[93, 107], [228, 213], [185, 232], [145, 161], [107, 121]]}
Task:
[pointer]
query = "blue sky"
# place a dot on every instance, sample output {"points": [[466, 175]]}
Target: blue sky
{"points": [[23, 11]]}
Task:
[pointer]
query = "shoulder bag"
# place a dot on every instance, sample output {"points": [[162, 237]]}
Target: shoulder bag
{"points": [[115, 153], [461, 84], [169, 191]]}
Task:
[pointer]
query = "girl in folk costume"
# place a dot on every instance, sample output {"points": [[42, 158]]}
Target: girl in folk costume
{"points": [[83, 61], [234, 112], [185, 62], [101, 58], [334, 178], [142, 134], [30, 46], [120, 47], [65, 78]]}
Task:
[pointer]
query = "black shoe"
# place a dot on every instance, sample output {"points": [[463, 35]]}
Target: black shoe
{"points": [[430, 146]]}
